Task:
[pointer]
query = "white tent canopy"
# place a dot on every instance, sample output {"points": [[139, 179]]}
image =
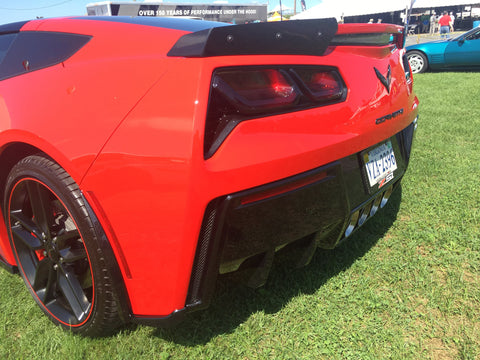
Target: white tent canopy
{"points": [[283, 8], [439, 3], [342, 8]]}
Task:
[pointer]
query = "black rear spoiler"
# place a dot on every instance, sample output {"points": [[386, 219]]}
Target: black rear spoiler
{"points": [[298, 37]]}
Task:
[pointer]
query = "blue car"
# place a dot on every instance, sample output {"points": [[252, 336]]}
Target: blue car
{"points": [[462, 51]]}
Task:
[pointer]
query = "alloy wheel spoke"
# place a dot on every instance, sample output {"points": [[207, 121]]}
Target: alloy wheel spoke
{"points": [[73, 292], [40, 202], [50, 287], [44, 280], [31, 241], [19, 218], [41, 274]]}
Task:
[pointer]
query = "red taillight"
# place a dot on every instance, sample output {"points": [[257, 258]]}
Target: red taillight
{"points": [[244, 93], [322, 85], [254, 91]]}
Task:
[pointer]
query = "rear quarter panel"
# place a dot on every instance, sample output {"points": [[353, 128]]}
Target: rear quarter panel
{"points": [[69, 110]]}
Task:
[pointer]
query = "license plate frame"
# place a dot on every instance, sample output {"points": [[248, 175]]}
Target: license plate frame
{"points": [[379, 164]]}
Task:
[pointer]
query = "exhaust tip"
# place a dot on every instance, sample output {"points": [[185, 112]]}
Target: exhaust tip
{"points": [[376, 205], [352, 224], [364, 214], [385, 197]]}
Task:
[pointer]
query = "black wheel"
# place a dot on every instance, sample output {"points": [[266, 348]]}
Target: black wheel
{"points": [[57, 249], [418, 61]]}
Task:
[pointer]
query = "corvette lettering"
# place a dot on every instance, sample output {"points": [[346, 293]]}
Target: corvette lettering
{"points": [[389, 116]]}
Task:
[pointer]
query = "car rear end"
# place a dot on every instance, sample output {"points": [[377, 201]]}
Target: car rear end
{"points": [[306, 131], [216, 146], [321, 151]]}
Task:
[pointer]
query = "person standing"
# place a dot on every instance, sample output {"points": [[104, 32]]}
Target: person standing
{"points": [[453, 21], [424, 18], [433, 20], [445, 22]]}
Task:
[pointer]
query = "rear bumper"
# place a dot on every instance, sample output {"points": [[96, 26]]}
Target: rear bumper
{"points": [[318, 208]]}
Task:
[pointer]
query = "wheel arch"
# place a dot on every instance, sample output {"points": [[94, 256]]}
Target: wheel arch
{"points": [[10, 155], [15, 146], [427, 56]]}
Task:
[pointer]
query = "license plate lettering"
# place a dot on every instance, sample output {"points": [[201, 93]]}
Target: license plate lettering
{"points": [[380, 163]]}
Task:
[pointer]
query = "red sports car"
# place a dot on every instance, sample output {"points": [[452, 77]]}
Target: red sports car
{"points": [[142, 157]]}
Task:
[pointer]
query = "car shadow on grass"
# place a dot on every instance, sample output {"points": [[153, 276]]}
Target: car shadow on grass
{"points": [[234, 303]]}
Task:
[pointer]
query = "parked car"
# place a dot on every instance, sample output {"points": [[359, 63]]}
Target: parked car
{"points": [[142, 157], [462, 51]]}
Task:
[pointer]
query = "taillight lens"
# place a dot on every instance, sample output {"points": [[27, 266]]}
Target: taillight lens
{"points": [[244, 93], [256, 91], [322, 86]]}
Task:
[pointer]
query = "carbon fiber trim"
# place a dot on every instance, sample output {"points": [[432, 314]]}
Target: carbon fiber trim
{"points": [[207, 257]]}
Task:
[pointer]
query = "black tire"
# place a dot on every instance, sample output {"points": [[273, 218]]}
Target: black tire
{"points": [[56, 246], [418, 61]]}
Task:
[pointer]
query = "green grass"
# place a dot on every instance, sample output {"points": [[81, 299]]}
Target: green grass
{"points": [[407, 285]]}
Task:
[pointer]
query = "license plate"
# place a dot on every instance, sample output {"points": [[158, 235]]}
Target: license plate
{"points": [[380, 163]]}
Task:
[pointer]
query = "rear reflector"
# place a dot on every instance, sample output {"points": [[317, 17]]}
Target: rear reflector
{"points": [[283, 189]]}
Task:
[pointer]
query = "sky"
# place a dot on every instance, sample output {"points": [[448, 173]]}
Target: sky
{"points": [[19, 10]]}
